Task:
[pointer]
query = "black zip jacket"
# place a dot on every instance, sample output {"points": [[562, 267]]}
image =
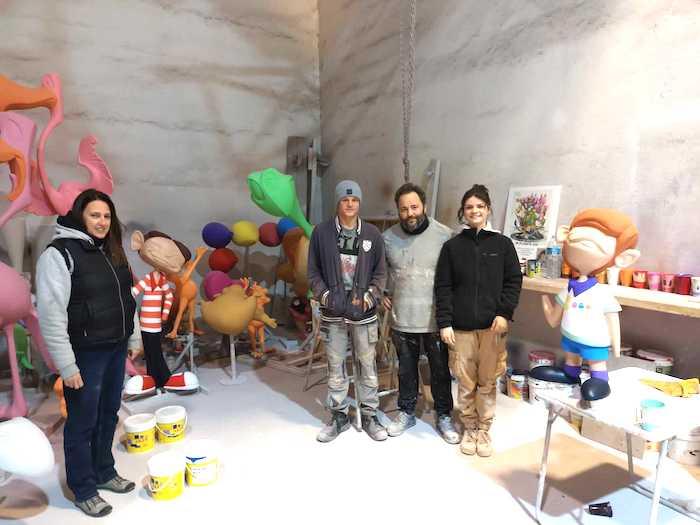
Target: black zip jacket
{"points": [[477, 278]]}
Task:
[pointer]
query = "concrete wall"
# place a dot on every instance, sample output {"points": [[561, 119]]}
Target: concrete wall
{"points": [[185, 97], [601, 97]]}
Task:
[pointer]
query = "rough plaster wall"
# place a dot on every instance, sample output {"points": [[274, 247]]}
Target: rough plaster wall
{"points": [[602, 97], [185, 97]]}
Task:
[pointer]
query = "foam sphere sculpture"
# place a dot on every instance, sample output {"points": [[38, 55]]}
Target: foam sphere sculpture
{"points": [[268, 234], [215, 282], [284, 225], [223, 260], [216, 235], [245, 233]]}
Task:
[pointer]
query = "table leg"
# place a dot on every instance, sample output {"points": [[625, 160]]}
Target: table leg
{"points": [[551, 416], [657, 484], [630, 462]]}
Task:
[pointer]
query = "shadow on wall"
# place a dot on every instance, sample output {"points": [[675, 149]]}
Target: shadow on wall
{"points": [[263, 30]]}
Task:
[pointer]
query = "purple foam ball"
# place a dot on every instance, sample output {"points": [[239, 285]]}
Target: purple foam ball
{"points": [[216, 235]]}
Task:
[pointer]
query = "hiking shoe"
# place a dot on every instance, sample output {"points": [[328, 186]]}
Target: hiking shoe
{"points": [[374, 428], [117, 484], [94, 507], [468, 444], [338, 423], [403, 422], [483, 444], [447, 429]]}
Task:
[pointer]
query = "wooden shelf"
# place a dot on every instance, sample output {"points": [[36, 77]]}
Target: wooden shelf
{"points": [[638, 298]]}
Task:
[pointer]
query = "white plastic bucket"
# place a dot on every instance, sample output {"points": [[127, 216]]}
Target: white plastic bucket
{"points": [[202, 462], [140, 432], [171, 422], [167, 475]]}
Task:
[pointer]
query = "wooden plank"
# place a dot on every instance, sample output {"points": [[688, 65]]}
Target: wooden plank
{"points": [[627, 296]]}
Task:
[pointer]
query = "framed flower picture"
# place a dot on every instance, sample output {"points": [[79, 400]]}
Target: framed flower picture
{"points": [[531, 218]]}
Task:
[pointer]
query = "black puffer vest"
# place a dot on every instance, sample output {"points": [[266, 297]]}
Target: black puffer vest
{"points": [[101, 307]]}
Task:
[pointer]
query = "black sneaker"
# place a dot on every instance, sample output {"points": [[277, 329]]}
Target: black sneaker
{"points": [[374, 428], [338, 423], [94, 507]]}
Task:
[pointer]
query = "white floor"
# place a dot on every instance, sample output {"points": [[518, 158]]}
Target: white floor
{"points": [[275, 471]]}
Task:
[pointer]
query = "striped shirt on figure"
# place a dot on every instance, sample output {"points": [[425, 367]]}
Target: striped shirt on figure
{"points": [[157, 300]]}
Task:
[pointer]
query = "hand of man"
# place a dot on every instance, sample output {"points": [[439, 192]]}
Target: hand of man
{"points": [[75, 381], [134, 352], [386, 301], [499, 325], [448, 336]]}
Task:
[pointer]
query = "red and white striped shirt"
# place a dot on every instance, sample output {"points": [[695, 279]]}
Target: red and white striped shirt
{"points": [[157, 300]]}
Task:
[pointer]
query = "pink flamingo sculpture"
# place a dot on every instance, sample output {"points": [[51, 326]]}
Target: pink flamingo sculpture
{"points": [[45, 199], [16, 305], [16, 139]]}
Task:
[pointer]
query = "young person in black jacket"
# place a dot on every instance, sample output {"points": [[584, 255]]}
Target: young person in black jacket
{"points": [[477, 288], [87, 318]]}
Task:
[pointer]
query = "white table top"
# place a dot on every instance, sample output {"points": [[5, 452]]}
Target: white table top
{"points": [[619, 410]]}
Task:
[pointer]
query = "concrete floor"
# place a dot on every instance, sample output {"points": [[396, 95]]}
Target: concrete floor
{"points": [[274, 470]]}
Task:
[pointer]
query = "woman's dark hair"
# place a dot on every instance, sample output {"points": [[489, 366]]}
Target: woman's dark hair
{"points": [[480, 192], [407, 188], [113, 241]]}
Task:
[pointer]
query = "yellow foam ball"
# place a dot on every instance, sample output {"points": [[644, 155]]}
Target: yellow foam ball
{"points": [[245, 233]]}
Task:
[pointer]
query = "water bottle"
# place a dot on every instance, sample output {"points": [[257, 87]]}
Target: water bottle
{"points": [[552, 261]]}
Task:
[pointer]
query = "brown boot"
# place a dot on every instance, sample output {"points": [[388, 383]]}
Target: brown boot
{"points": [[468, 444], [483, 444]]}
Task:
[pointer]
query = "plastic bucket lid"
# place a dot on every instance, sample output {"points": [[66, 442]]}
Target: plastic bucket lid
{"points": [[199, 449], [165, 464], [139, 422], [171, 414]]}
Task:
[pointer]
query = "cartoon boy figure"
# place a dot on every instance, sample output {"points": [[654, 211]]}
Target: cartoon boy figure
{"points": [[588, 312]]}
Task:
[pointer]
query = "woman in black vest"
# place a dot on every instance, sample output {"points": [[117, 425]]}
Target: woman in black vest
{"points": [[86, 312]]}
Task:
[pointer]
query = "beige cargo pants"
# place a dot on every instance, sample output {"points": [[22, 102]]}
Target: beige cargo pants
{"points": [[476, 360]]}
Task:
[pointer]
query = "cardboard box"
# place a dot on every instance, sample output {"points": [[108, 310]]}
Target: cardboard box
{"points": [[614, 438]]}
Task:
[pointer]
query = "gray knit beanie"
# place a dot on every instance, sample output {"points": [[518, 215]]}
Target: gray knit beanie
{"points": [[347, 188]]}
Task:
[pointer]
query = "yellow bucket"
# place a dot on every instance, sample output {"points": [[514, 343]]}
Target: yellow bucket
{"points": [[170, 423], [201, 463], [140, 432], [167, 475]]}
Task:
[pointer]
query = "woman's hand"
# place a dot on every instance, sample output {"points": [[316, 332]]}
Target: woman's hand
{"points": [[499, 325], [75, 381], [386, 301], [448, 336]]}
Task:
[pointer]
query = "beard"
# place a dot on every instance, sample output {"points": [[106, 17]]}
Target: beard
{"points": [[411, 225]]}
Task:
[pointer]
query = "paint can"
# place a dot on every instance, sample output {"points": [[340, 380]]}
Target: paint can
{"points": [[685, 448], [517, 386], [202, 463], [140, 432], [663, 363], [171, 422], [541, 358], [166, 473]]}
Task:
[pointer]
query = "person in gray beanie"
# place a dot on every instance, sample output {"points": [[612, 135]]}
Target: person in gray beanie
{"points": [[347, 275]]}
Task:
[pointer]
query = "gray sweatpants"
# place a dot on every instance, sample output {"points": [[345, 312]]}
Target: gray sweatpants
{"points": [[336, 338]]}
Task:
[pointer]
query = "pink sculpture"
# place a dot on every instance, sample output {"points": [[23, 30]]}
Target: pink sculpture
{"points": [[16, 305], [16, 140], [30, 179]]}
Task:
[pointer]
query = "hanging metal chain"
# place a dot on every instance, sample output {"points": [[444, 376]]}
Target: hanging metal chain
{"points": [[407, 52]]}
